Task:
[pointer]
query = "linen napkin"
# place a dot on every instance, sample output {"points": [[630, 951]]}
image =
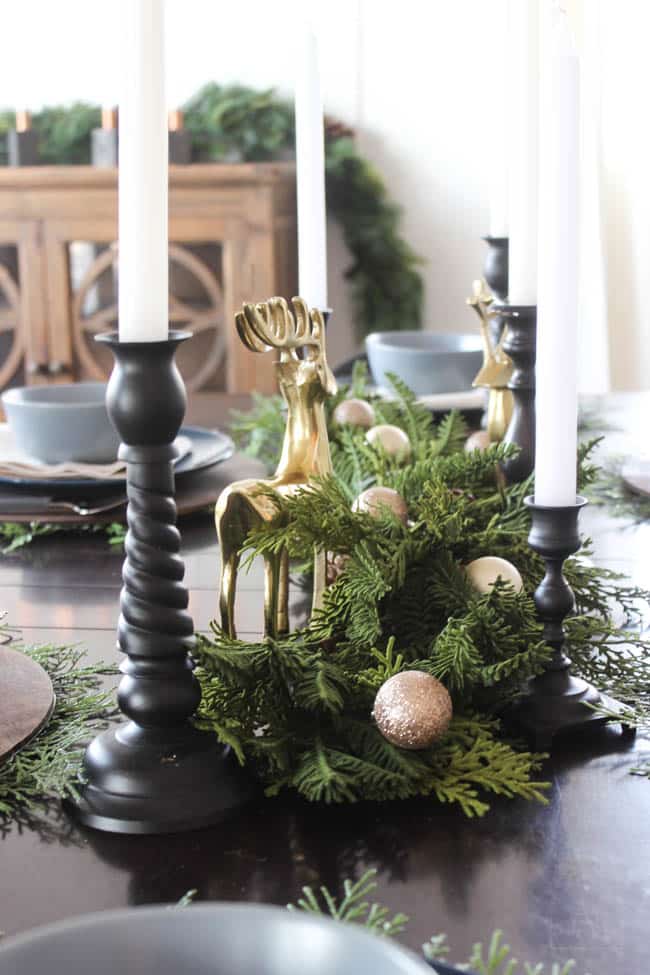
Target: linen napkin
{"points": [[15, 463]]}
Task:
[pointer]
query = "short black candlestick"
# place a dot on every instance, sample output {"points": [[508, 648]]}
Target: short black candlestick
{"points": [[556, 702], [155, 773], [520, 344], [495, 272]]}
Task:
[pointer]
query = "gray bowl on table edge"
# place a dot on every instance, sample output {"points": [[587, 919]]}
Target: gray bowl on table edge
{"points": [[204, 939], [428, 362], [62, 423]]}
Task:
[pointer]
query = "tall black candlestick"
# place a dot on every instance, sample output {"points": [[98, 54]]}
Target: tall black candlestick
{"points": [[156, 773]]}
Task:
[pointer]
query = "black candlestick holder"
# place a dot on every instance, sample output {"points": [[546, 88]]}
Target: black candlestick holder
{"points": [[22, 147], [155, 773], [520, 344], [495, 272], [557, 702]]}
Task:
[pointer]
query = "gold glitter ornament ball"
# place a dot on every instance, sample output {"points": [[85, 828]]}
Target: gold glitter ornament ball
{"points": [[392, 440], [374, 499], [412, 710], [484, 572], [478, 441], [354, 413]]}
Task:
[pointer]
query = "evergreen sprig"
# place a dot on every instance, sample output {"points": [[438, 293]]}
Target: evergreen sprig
{"points": [[354, 907], [48, 766], [17, 535]]}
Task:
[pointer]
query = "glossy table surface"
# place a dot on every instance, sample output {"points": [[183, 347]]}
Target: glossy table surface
{"points": [[571, 879]]}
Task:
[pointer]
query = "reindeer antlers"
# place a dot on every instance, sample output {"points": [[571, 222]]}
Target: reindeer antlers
{"points": [[270, 325]]}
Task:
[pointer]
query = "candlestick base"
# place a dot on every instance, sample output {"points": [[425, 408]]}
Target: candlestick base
{"points": [[156, 773], [147, 781], [557, 703]]}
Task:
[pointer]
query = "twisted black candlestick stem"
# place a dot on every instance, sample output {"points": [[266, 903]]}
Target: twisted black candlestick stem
{"points": [[495, 272], [156, 773], [520, 344], [556, 701]]}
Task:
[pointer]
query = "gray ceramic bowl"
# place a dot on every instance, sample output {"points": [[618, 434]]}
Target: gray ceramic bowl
{"points": [[218, 939], [60, 423], [428, 362]]}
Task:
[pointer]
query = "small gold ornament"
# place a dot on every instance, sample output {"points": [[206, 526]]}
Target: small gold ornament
{"points": [[354, 413], [373, 500], [480, 440], [484, 572], [392, 440], [412, 709]]}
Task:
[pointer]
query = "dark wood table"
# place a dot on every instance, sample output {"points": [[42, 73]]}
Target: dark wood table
{"points": [[568, 880]]}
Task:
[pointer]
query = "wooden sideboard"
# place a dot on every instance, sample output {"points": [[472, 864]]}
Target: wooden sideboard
{"points": [[232, 232]]}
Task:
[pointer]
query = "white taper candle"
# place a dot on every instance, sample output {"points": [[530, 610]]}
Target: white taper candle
{"points": [[498, 107], [522, 137], [310, 161], [557, 323], [143, 150]]}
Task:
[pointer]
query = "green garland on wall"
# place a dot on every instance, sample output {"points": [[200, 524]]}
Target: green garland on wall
{"points": [[233, 122]]}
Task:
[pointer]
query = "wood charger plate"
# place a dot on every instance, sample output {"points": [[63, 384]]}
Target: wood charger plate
{"points": [[26, 700]]}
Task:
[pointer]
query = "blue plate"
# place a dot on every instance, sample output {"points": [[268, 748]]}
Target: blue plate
{"points": [[208, 447]]}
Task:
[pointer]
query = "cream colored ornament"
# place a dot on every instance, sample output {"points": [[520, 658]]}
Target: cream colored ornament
{"points": [[412, 709], [391, 440], [354, 413], [484, 572], [374, 499], [478, 441]]}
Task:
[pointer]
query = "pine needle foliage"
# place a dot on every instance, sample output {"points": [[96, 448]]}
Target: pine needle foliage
{"points": [[299, 708], [17, 535], [48, 766], [355, 907]]}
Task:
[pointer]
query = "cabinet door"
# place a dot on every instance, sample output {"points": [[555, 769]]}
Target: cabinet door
{"points": [[212, 269]]}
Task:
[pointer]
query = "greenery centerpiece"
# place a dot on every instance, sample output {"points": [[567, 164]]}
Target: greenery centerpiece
{"points": [[298, 708]]}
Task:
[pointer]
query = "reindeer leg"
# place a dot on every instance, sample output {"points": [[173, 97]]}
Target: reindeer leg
{"points": [[228, 589], [271, 593], [283, 593], [320, 579], [229, 533]]}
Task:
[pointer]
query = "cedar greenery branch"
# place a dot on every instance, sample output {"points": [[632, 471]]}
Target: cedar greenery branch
{"points": [[298, 708], [354, 908], [234, 122], [47, 767]]}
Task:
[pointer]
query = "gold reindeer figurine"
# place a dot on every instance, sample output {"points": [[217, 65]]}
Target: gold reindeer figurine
{"points": [[496, 371], [305, 383]]}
